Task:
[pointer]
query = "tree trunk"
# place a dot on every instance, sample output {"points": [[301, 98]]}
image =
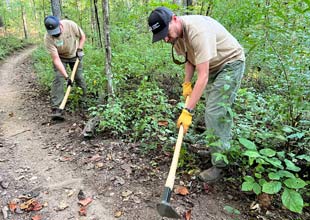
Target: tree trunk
{"points": [[188, 4], [210, 7], [1, 21], [56, 9], [24, 22], [108, 56], [98, 23]]}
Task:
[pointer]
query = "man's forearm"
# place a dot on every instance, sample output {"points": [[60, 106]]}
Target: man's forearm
{"points": [[82, 41], [60, 67], [189, 71], [200, 85]]}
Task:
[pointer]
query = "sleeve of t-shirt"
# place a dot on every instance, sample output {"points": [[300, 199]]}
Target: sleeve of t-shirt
{"points": [[50, 47], [77, 30], [204, 45]]}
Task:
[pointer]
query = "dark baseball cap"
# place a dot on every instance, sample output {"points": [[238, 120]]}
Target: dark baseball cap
{"points": [[52, 25], [159, 23]]}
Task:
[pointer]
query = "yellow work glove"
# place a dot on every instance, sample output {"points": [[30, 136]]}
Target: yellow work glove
{"points": [[187, 89], [185, 119]]}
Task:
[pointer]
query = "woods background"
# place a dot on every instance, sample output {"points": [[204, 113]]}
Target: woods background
{"points": [[135, 89]]}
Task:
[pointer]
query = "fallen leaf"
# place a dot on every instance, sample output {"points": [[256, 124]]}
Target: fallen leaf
{"points": [[206, 187], [12, 206], [265, 200], [36, 217], [82, 211], [86, 201], [163, 123], [188, 214], [118, 214], [27, 205], [95, 158], [70, 193], [62, 206], [126, 193], [36, 206], [181, 190]]}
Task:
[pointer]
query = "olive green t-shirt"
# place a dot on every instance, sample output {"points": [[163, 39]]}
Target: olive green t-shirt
{"points": [[205, 39], [67, 43]]}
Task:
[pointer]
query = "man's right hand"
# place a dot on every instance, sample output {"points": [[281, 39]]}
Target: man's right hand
{"points": [[187, 89], [79, 53]]}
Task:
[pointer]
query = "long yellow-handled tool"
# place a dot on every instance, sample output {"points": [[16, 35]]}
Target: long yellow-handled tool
{"points": [[59, 116], [64, 101], [164, 208]]}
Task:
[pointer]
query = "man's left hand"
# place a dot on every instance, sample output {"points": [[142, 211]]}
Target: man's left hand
{"points": [[79, 53], [185, 119], [69, 82]]}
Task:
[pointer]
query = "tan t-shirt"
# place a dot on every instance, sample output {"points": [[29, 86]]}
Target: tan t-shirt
{"points": [[67, 43], [205, 39]]}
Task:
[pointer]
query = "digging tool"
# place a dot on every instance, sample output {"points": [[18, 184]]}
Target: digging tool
{"points": [[59, 116], [164, 208], [64, 101]]}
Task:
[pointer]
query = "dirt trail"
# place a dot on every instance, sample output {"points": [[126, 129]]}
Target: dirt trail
{"points": [[26, 164], [51, 162]]}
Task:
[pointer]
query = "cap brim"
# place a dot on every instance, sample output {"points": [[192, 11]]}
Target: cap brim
{"points": [[160, 35], [54, 31]]}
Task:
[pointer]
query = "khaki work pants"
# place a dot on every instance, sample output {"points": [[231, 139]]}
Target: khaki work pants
{"points": [[221, 92], [57, 90]]}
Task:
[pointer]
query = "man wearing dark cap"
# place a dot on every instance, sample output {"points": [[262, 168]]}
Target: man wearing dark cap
{"points": [[64, 41], [217, 57]]}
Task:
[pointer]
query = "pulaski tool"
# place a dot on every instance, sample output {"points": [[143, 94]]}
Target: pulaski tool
{"points": [[164, 208]]}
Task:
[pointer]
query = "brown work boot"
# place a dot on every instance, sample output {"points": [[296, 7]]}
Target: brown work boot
{"points": [[212, 174]]}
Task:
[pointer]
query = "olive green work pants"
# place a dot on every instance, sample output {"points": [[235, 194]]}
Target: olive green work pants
{"points": [[58, 84], [221, 92]]}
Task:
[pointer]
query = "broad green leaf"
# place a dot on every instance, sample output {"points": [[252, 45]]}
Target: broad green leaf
{"points": [[285, 173], [251, 153], [258, 175], [274, 176], [281, 154], [247, 144], [274, 161], [257, 188], [262, 182], [292, 200], [272, 187], [247, 186], [231, 210], [281, 137], [287, 129], [249, 179], [267, 152], [296, 135], [291, 166], [304, 157], [295, 183]]}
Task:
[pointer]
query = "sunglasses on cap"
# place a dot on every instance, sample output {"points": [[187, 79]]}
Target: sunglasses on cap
{"points": [[178, 62]]}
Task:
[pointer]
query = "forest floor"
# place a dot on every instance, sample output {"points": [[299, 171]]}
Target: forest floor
{"points": [[49, 171]]}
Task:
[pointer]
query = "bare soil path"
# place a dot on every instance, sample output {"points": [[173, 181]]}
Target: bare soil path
{"points": [[51, 163], [27, 166]]}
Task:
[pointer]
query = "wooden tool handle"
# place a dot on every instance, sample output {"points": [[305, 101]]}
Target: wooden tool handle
{"points": [[175, 158], [64, 101]]}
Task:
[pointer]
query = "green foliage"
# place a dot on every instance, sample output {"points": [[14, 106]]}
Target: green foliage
{"points": [[10, 44], [142, 115], [271, 133], [274, 173]]}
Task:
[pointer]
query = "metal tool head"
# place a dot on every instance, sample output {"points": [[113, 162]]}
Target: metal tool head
{"points": [[165, 210]]}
